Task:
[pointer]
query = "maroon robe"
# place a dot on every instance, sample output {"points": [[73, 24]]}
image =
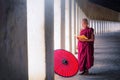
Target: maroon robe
{"points": [[86, 50]]}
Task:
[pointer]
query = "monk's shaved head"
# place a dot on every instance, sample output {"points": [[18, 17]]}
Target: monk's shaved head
{"points": [[85, 20]]}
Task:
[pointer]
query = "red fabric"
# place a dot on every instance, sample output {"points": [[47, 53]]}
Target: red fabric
{"points": [[65, 70], [85, 51]]}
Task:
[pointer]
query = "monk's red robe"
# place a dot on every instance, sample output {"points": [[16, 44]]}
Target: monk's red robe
{"points": [[86, 50]]}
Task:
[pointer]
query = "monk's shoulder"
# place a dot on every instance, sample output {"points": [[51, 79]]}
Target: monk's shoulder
{"points": [[91, 29]]}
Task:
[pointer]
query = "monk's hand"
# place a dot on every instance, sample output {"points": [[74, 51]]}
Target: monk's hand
{"points": [[77, 37], [82, 39]]}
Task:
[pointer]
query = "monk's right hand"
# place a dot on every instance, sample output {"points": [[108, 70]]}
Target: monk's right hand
{"points": [[82, 39]]}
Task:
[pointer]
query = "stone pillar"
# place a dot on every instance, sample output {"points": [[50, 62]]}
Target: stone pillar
{"points": [[40, 32], [96, 26], [100, 27], [13, 40], [93, 25], [49, 38], [90, 23], [78, 19], [75, 31], [70, 24], [62, 24], [103, 26], [72, 27], [67, 26], [108, 26]]}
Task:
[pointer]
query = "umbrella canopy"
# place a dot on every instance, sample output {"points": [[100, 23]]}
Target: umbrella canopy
{"points": [[65, 63]]}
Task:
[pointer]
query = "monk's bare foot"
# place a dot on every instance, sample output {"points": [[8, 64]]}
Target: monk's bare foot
{"points": [[86, 72], [82, 73]]}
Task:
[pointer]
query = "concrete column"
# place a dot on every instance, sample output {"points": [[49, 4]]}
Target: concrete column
{"points": [[119, 25], [100, 26], [108, 25], [67, 26], [70, 23], [103, 26], [111, 26], [93, 25], [49, 38], [62, 24], [78, 18], [96, 26], [40, 32], [90, 23], [77, 31], [13, 40], [73, 28], [57, 24], [116, 26]]}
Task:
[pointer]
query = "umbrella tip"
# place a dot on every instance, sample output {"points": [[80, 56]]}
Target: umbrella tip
{"points": [[65, 62]]}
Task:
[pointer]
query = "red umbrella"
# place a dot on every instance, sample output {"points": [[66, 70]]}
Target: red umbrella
{"points": [[65, 64]]}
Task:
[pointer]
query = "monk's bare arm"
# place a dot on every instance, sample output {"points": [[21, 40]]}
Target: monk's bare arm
{"points": [[88, 40], [92, 38]]}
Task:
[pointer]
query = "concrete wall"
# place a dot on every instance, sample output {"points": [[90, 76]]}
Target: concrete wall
{"points": [[13, 40]]}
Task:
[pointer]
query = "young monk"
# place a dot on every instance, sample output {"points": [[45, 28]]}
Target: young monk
{"points": [[85, 48]]}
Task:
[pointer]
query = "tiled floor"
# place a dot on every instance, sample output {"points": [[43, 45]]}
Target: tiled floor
{"points": [[107, 59]]}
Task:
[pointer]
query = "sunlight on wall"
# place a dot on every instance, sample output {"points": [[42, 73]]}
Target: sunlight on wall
{"points": [[67, 29], [73, 28], [57, 24], [36, 44]]}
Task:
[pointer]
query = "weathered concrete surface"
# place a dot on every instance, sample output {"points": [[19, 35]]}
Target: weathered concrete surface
{"points": [[94, 11], [13, 42], [107, 59]]}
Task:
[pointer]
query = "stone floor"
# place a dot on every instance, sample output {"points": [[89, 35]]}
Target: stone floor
{"points": [[107, 59]]}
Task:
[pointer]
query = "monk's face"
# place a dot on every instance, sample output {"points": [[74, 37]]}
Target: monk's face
{"points": [[84, 24]]}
